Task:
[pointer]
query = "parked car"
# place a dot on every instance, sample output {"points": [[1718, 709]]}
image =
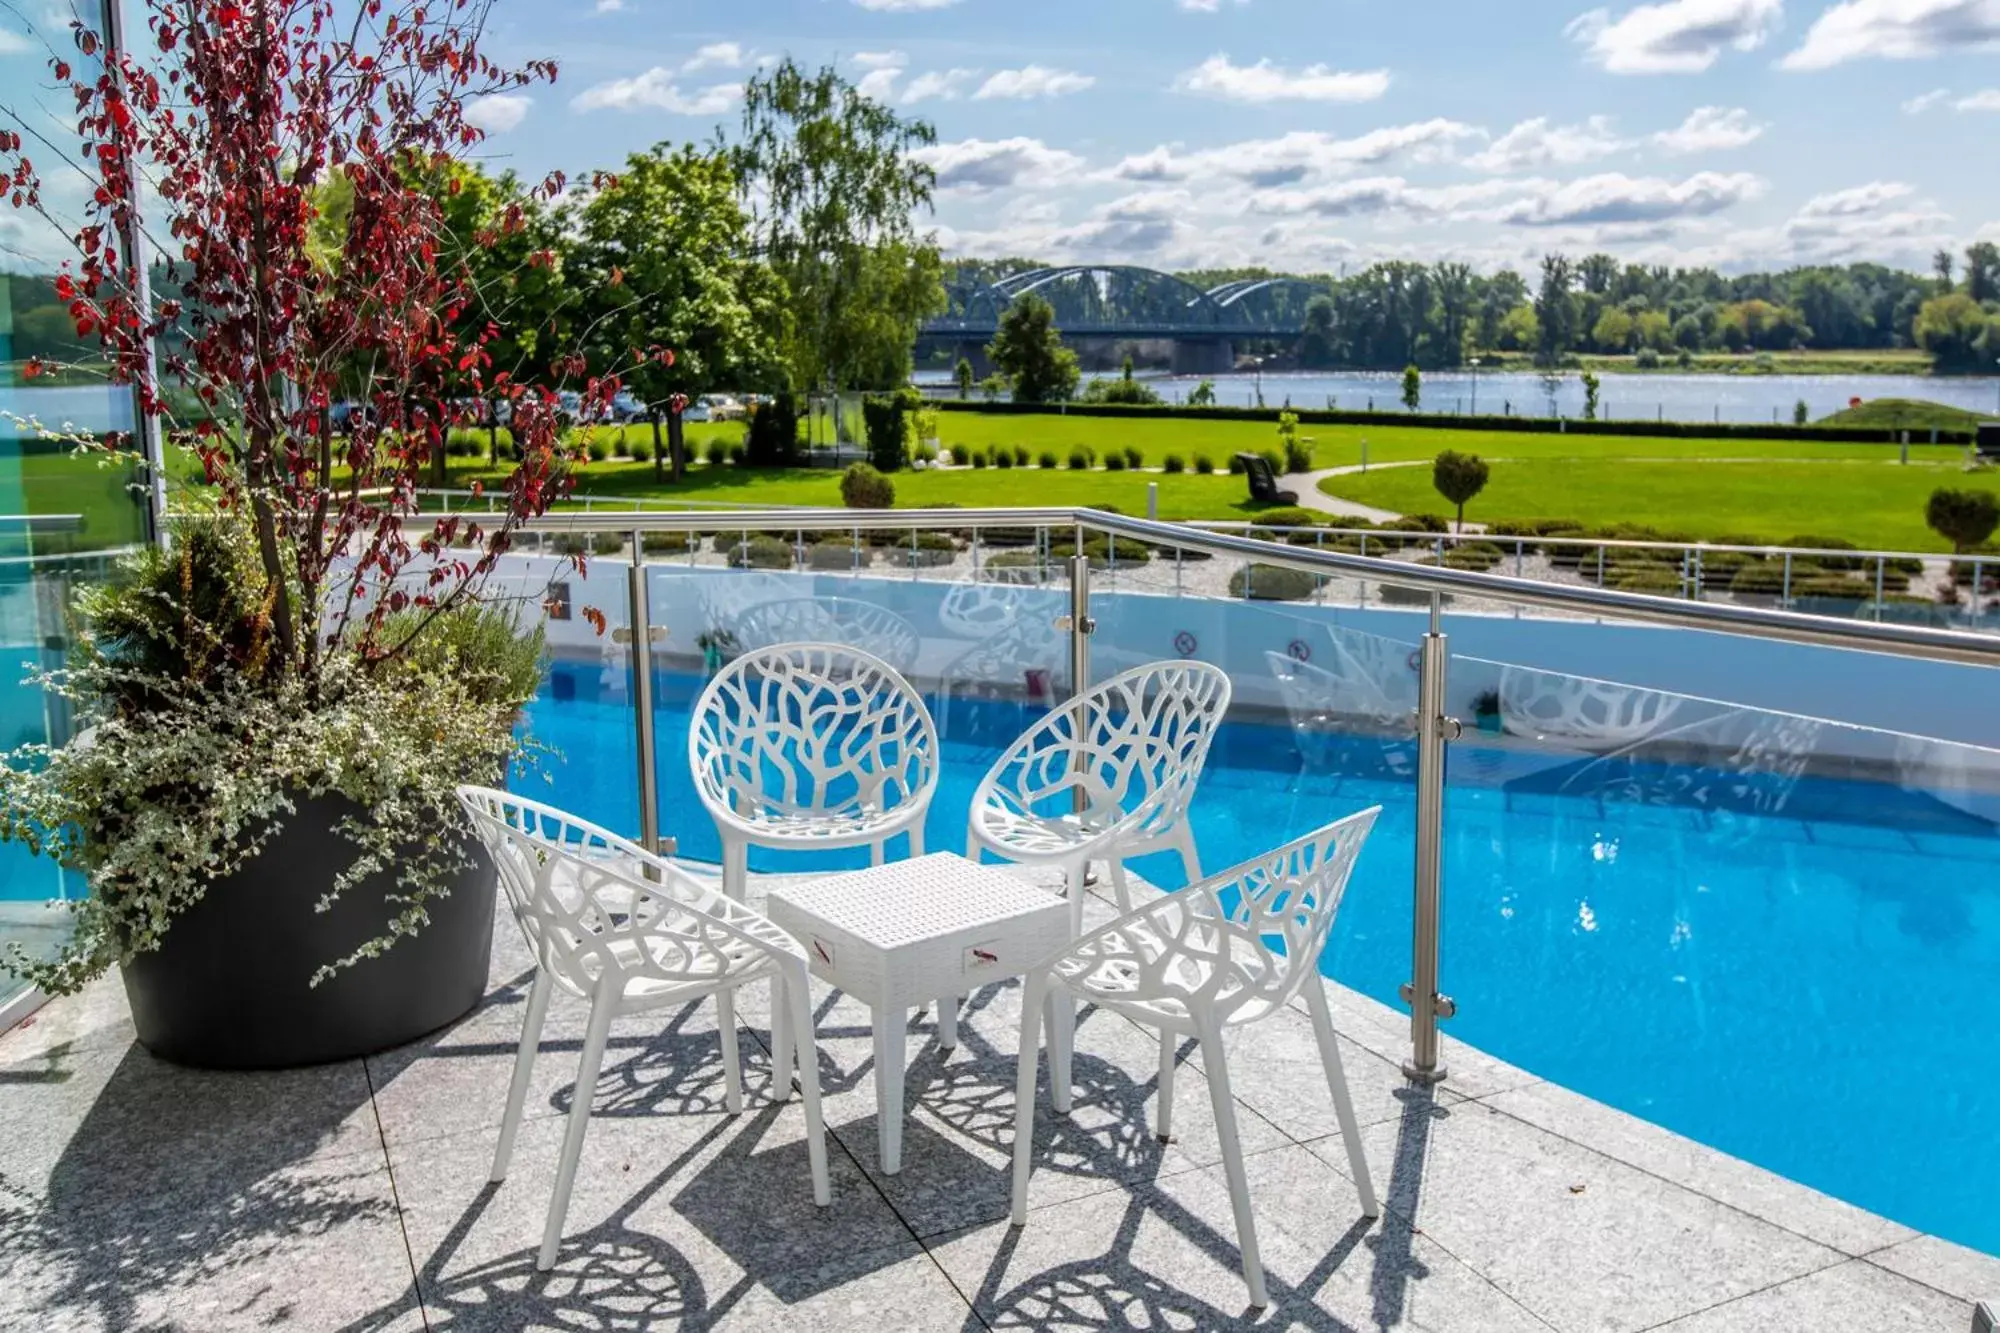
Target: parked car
{"points": [[722, 407], [626, 406], [697, 411]]}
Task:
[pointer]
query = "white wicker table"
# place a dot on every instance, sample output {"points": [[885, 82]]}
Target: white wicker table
{"points": [[902, 935]]}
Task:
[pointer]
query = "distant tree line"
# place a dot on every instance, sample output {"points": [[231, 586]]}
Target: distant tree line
{"points": [[1402, 313]]}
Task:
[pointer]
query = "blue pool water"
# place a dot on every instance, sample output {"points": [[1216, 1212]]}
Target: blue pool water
{"points": [[1808, 992]]}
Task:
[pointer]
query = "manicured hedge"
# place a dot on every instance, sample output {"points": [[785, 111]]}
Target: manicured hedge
{"points": [[1704, 430]]}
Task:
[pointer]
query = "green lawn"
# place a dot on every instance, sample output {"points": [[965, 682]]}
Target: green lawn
{"points": [[59, 483], [1873, 504]]}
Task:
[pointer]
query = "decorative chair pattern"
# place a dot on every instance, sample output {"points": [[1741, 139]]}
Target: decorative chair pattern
{"points": [[1230, 950], [1133, 748], [631, 932], [1596, 715], [983, 605], [840, 620], [811, 745]]}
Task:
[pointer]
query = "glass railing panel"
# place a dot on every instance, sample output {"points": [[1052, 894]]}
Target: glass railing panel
{"points": [[1758, 925]]}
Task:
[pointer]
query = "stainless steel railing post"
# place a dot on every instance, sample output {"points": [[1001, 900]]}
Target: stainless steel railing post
{"points": [[642, 697], [1427, 1005], [1080, 626]]}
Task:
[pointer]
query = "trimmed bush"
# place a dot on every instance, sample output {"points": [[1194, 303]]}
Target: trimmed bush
{"points": [[1020, 452], [717, 453], [978, 458], [887, 423], [760, 552], [1204, 465], [1477, 556], [1272, 583], [642, 453], [1808, 541], [668, 543], [1048, 458], [863, 487], [598, 451], [738, 455], [1289, 516], [1235, 465], [838, 553], [772, 438], [1079, 460], [1114, 462], [1657, 582], [1029, 563], [1003, 458], [1134, 459], [1174, 464]]}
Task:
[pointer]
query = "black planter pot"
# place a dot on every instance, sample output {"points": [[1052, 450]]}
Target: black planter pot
{"points": [[229, 986]]}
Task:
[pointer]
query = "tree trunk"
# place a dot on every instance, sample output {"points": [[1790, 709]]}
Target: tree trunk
{"points": [[659, 448], [492, 434], [677, 441]]}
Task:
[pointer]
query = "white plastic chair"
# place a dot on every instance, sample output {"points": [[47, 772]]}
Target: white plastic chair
{"points": [[811, 745], [631, 932], [1134, 747], [1228, 951], [842, 620]]}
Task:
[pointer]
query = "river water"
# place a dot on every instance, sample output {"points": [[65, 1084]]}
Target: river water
{"points": [[1652, 397]]}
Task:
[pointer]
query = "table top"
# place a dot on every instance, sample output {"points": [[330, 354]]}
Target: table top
{"points": [[908, 902]]}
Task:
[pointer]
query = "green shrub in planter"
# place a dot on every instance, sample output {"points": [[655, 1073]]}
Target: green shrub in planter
{"points": [[607, 543], [1760, 578], [1656, 582], [1047, 459], [1395, 594], [1272, 583], [838, 553], [1114, 462], [1204, 465], [1288, 516], [641, 453], [1020, 452], [1028, 563], [1079, 460], [668, 543], [1173, 464], [1808, 541], [759, 552], [1477, 556], [717, 453], [1134, 458], [978, 458]]}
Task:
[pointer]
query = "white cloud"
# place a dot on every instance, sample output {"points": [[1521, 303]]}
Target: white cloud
{"points": [[1674, 36], [1217, 76], [717, 55], [13, 44], [1298, 156], [1923, 102], [1986, 99], [975, 166], [1897, 30], [608, 6], [943, 84], [879, 83], [903, 6], [656, 89], [1205, 6], [1033, 81], [1710, 129], [1856, 199], [880, 59], [1374, 195], [496, 113], [1536, 143], [1616, 198]]}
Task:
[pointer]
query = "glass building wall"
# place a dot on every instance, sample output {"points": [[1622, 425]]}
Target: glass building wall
{"points": [[63, 518]]}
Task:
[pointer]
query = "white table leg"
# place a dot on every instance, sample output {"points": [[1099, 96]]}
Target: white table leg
{"points": [[948, 1021], [889, 1036]]}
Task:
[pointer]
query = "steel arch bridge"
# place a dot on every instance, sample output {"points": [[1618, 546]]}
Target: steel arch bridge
{"points": [[1125, 301]]}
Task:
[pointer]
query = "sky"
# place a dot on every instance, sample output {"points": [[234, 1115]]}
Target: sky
{"points": [[1314, 135]]}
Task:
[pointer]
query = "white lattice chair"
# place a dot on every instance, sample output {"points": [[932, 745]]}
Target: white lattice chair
{"points": [[842, 620], [811, 745], [1594, 715], [1134, 747], [1230, 950], [631, 932]]}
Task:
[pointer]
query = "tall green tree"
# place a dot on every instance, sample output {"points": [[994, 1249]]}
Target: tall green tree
{"points": [[661, 253], [1982, 271], [1555, 310], [833, 184], [1958, 331], [1028, 350], [1317, 348], [1458, 478]]}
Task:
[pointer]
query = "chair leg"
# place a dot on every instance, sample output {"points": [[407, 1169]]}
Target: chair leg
{"points": [[735, 868], [524, 1068], [1343, 1100], [1167, 1053], [891, 1037], [1122, 884], [1216, 1063], [781, 1040], [732, 1053], [1061, 1018], [587, 1069], [876, 852], [1190, 856], [916, 839], [1024, 1089], [794, 992]]}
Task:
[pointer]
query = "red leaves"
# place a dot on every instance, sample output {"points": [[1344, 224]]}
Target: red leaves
{"points": [[596, 619], [62, 71], [33, 369]]}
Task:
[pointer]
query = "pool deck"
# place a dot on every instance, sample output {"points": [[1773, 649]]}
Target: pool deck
{"points": [[354, 1196]]}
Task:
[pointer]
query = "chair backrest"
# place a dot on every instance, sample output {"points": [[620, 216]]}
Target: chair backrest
{"points": [[810, 729], [1135, 745], [841, 620], [592, 903], [1251, 934], [1263, 482]]}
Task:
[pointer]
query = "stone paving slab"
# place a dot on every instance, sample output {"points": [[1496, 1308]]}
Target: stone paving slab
{"points": [[355, 1196]]}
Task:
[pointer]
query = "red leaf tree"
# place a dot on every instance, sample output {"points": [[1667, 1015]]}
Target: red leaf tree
{"points": [[285, 149]]}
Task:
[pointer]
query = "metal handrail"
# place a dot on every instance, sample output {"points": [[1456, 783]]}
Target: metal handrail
{"points": [[1754, 622]]}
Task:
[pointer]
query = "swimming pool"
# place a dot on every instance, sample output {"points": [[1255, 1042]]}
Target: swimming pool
{"points": [[1806, 991]]}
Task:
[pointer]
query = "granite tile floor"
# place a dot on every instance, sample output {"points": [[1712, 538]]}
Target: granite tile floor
{"points": [[134, 1194]]}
